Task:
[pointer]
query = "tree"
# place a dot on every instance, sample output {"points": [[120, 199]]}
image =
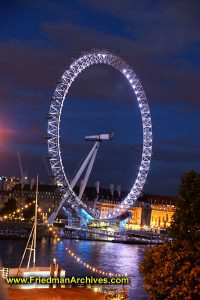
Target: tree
{"points": [[29, 212], [9, 207], [186, 223], [172, 270]]}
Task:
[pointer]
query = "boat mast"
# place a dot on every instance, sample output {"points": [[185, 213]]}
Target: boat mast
{"points": [[33, 235], [35, 228]]}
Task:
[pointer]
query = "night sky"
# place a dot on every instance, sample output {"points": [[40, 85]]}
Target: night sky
{"points": [[159, 39]]}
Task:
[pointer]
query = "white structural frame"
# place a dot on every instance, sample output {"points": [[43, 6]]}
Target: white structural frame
{"points": [[88, 162], [53, 133]]}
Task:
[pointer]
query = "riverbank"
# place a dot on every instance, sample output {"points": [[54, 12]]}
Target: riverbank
{"points": [[109, 257], [122, 241], [21, 230], [55, 294]]}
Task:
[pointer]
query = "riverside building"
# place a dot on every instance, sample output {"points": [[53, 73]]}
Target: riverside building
{"points": [[149, 212]]}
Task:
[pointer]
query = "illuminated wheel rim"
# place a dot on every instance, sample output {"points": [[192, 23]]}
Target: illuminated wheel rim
{"points": [[53, 136]]}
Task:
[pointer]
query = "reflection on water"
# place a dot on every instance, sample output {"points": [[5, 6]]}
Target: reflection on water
{"points": [[111, 257]]}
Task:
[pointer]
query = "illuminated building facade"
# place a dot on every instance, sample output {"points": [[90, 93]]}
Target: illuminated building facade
{"points": [[150, 211], [48, 196]]}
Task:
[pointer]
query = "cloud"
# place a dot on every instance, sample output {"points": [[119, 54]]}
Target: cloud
{"points": [[162, 80], [46, 61], [29, 65], [160, 40], [31, 162], [170, 155], [179, 143], [161, 26]]}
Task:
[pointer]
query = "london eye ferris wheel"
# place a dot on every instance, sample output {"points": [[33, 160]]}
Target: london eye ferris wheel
{"points": [[53, 133]]}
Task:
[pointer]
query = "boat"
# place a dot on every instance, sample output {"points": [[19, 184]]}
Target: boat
{"points": [[53, 270]]}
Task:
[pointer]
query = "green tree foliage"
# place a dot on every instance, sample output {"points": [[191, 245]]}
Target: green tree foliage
{"points": [[29, 212], [9, 207], [172, 270], [186, 223]]}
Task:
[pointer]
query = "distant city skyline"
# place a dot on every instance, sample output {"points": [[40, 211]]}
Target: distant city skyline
{"points": [[39, 39]]}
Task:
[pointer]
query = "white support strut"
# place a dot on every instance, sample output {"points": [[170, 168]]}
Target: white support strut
{"points": [[82, 168], [88, 161], [89, 169], [53, 216]]}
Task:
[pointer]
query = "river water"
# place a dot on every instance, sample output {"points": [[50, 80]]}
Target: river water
{"points": [[109, 257]]}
